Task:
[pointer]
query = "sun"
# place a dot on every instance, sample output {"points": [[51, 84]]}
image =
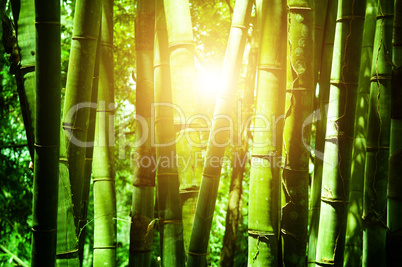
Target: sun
{"points": [[207, 81]]}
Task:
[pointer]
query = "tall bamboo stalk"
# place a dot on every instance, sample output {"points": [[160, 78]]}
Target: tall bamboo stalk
{"points": [[299, 103], [323, 98], [25, 71], [182, 70], [339, 133], [47, 134], [142, 208], [78, 94], [220, 132], [354, 228], [394, 218], [233, 214], [103, 162], [169, 206], [89, 156], [377, 151], [263, 226]]}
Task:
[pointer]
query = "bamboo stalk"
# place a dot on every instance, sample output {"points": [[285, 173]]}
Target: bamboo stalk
{"points": [[378, 134], [47, 134], [220, 132], [103, 162], [142, 208], [340, 132]]}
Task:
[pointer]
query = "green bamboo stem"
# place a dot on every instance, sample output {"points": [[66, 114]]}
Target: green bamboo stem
{"points": [[169, 206], [377, 151], [25, 71], [354, 228], [339, 132], [142, 208], [67, 242], [240, 158], [103, 162], [323, 98], [299, 103], [47, 134], [263, 226], [89, 156], [394, 218], [78, 94], [320, 18], [182, 70], [219, 135]]}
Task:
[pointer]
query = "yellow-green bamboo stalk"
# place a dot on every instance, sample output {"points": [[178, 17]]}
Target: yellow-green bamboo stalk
{"points": [[142, 208], [339, 132], [321, 116], [263, 226], [378, 134], [299, 103], [354, 228], [169, 205], [220, 132], [103, 161]]}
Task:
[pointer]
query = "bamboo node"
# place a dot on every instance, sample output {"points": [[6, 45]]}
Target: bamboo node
{"points": [[380, 77], [340, 82], [270, 154], [213, 176], [106, 44], [43, 230], [241, 27], [347, 18], [105, 110], [105, 247], [270, 67], [300, 89], [103, 179], [288, 168], [175, 45], [330, 200], [83, 38], [47, 22], [295, 8], [67, 254], [196, 254], [161, 65], [263, 234], [36, 145], [68, 126], [163, 221], [384, 16]]}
